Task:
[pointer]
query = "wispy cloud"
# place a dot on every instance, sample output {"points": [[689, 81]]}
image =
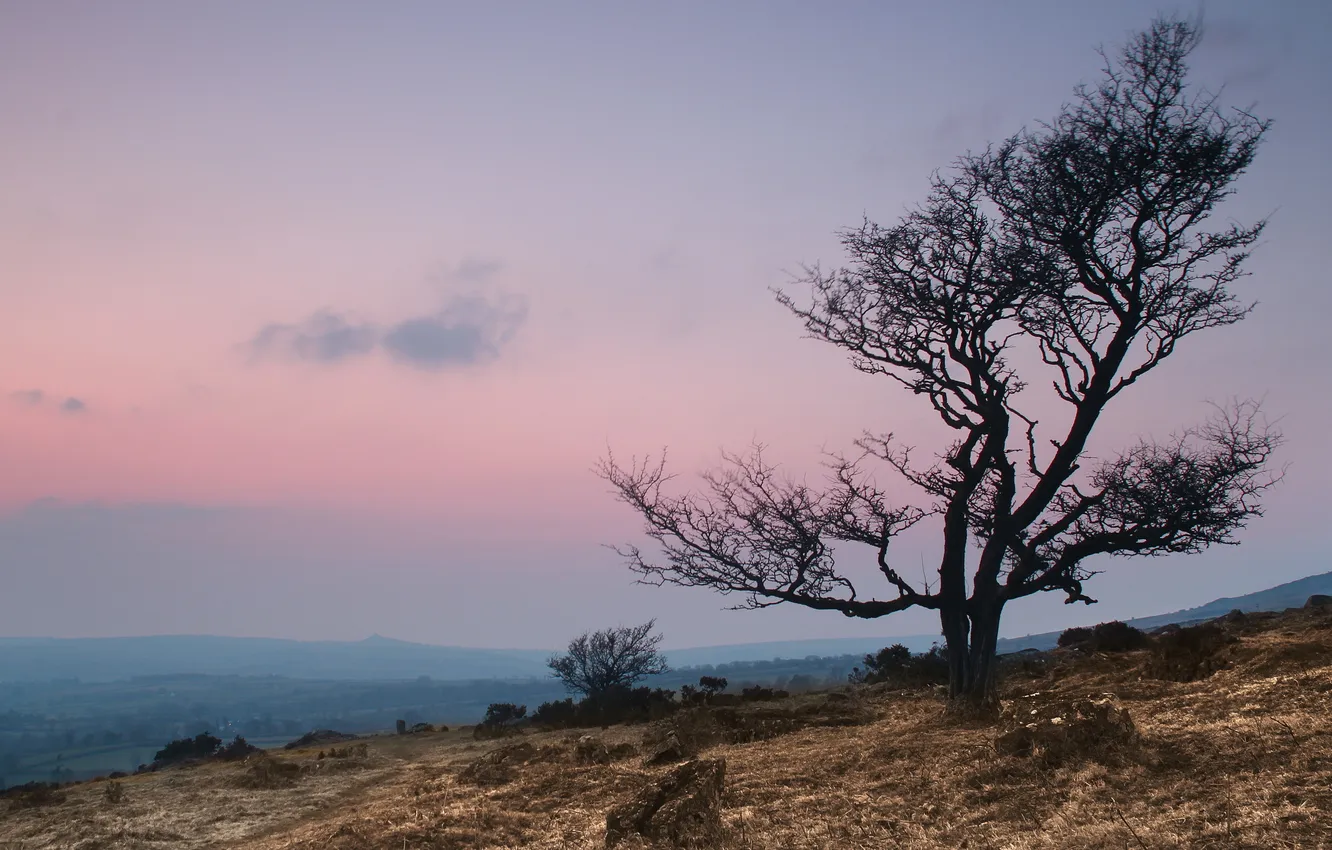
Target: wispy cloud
{"points": [[324, 337], [71, 405], [469, 330], [474, 270]]}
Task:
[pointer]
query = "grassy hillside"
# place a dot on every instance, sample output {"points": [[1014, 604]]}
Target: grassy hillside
{"points": [[1239, 759], [1292, 594]]}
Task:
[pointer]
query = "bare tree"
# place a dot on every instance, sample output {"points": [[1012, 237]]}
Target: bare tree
{"points": [[611, 658], [1076, 251]]}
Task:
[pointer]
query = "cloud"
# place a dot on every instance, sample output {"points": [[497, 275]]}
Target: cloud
{"points": [[71, 406], [475, 270], [324, 337], [469, 330]]}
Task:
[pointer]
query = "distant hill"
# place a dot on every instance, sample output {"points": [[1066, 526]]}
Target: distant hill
{"points": [[109, 659], [1292, 594], [381, 658]]}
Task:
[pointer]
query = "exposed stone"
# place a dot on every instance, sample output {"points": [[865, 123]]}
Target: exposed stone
{"points": [[591, 750], [1319, 600], [668, 749], [1060, 729], [683, 808], [496, 766]]}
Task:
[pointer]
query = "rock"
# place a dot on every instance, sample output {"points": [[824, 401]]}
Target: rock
{"points": [[496, 766], [1062, 729], [683, 808], [667, 750], [422, 727], [591, 750], [1319, 600], [401, 727]]}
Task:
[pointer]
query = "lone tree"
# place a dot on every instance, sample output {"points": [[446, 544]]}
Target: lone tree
{"points": [[598, 662], [1077, 252]]}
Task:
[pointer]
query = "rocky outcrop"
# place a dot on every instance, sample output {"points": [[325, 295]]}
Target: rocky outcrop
{"points": [[1059, 730], [682, 809]]}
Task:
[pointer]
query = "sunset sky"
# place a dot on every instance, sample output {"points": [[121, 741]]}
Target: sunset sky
{"points": [[315, 316]]}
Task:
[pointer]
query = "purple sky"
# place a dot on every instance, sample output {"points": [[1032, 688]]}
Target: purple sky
{"points": [[315, 316]]}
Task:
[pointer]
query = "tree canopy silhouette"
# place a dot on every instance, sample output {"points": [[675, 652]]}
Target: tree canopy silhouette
{"points": [[598, 662], [1077, 251]]}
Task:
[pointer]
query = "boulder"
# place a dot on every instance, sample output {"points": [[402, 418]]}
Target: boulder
{"points": [[496, 767], [591, 750], [1058, 730], [683, 808], [668, 749], [1319, 600]]}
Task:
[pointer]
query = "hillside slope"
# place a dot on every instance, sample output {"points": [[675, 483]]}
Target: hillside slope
{"points": [[1292, 594], [1241, 759]]}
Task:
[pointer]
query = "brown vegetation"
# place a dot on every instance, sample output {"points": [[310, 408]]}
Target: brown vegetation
{"points": [[1241, 758]]}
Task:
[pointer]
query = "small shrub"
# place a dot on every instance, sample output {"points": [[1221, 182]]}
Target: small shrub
{"points": [[897, 665], [268, 772], [757, 693], [113, 793], [559, 714], [504, 714], [1189, 654], [1113, 636], [201, 746], [1075, 636], [359, 751], [238, 749], [712, 684], [34, 795]]}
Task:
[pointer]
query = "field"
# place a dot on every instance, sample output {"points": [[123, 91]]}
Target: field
{"points": [[1240, 759]]}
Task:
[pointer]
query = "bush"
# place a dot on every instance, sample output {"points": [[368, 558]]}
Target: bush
{"points": [[504, 714], [1189, 654], [33, 795], [201, 746], [897, 665], [1113, 636], [269, 772], [615, 705], [559, 714], [758, 693], [712, 684], [113, 793], [1075, 636], [238, 749]]}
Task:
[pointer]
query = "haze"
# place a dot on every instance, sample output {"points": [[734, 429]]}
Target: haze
{"points": [[315, 316]]}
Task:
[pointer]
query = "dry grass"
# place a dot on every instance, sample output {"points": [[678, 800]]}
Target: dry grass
{"points": [[1242, 759]]}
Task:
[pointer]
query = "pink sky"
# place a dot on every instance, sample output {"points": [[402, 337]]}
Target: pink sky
{"points": [[601, 199]]}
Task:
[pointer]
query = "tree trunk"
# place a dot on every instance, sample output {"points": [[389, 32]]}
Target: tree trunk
{"points": [[971, 640]]}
